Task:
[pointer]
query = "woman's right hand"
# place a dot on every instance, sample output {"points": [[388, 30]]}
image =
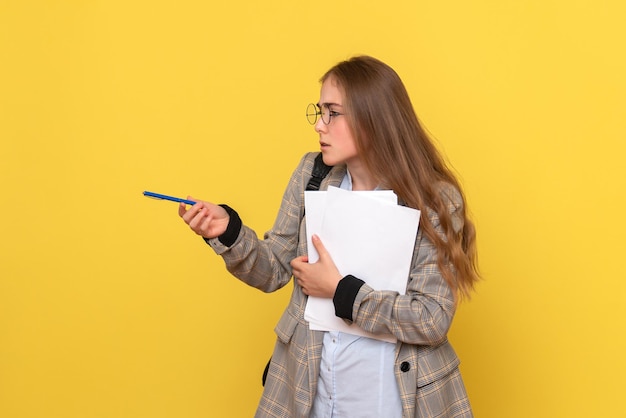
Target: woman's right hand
{"points": [[205, 219]]}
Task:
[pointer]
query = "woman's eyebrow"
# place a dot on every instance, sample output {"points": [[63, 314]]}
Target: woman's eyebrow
{"points": [[328, 104]]}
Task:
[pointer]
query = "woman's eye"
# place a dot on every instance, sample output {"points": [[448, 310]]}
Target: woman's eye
{"points": [[334, 113]]}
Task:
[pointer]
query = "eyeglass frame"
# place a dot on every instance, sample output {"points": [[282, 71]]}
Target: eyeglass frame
{"points": [[315, 110]]}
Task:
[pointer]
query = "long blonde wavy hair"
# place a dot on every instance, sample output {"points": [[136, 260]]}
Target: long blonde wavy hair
{"points": [[399, 154]]}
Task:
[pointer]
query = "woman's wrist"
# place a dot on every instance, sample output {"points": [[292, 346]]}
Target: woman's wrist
{"points": [[229, 236]]}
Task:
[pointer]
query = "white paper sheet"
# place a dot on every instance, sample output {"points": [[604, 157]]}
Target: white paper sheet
{"points": [[369, 236]]}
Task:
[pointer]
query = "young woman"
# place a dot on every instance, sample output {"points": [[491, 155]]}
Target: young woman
{"points": [[370, 135]]}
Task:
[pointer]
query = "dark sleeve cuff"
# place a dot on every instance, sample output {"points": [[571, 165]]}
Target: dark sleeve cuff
{"points": [[229, 236], [346, 292]]}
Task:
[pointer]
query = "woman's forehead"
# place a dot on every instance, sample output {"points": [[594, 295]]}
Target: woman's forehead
{"points": [[331, 92]]}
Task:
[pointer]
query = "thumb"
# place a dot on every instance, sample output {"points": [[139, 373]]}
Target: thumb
{"points": [[319, 247]]}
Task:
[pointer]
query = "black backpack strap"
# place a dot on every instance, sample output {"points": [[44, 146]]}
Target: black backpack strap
{"points": [[267, 368], [320, 170]]}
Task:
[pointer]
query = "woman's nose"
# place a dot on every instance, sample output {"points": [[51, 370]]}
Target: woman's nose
{"points": [[320, 126]]}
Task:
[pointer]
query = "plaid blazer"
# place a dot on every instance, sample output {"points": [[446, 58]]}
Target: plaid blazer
{"points": [[426, 366]]}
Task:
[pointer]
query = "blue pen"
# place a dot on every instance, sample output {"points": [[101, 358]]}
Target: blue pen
{"points": [[166, 197]]}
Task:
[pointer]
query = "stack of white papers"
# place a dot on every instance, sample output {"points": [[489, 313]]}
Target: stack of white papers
{"points": [[368, 236]]}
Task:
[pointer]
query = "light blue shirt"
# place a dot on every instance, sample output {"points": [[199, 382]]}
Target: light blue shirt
{"points": [[356, 374]]}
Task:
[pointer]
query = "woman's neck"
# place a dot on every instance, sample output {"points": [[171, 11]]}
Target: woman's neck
{"points": [[361, 179]]}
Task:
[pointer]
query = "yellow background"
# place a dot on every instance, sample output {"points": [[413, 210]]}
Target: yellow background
{"points": [[111, 307]]}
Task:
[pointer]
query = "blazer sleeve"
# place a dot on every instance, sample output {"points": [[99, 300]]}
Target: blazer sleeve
{"points": [[424, 314], [264, 264]]}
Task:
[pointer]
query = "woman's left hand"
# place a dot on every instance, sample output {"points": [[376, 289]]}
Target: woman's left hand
{"points": [[320, 278]]}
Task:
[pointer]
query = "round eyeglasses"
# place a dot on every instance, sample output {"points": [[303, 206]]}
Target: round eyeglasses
{"points": [[313, 112]]}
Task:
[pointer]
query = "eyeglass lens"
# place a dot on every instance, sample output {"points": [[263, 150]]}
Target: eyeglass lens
{"points": [[313, 111]]}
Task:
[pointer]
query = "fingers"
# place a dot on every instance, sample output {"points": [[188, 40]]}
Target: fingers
{"points": [[182, 207], [197, 216], [204, 218], [190, 214], [200, 218], [299, 260], [304, 289], [297, 264]]}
